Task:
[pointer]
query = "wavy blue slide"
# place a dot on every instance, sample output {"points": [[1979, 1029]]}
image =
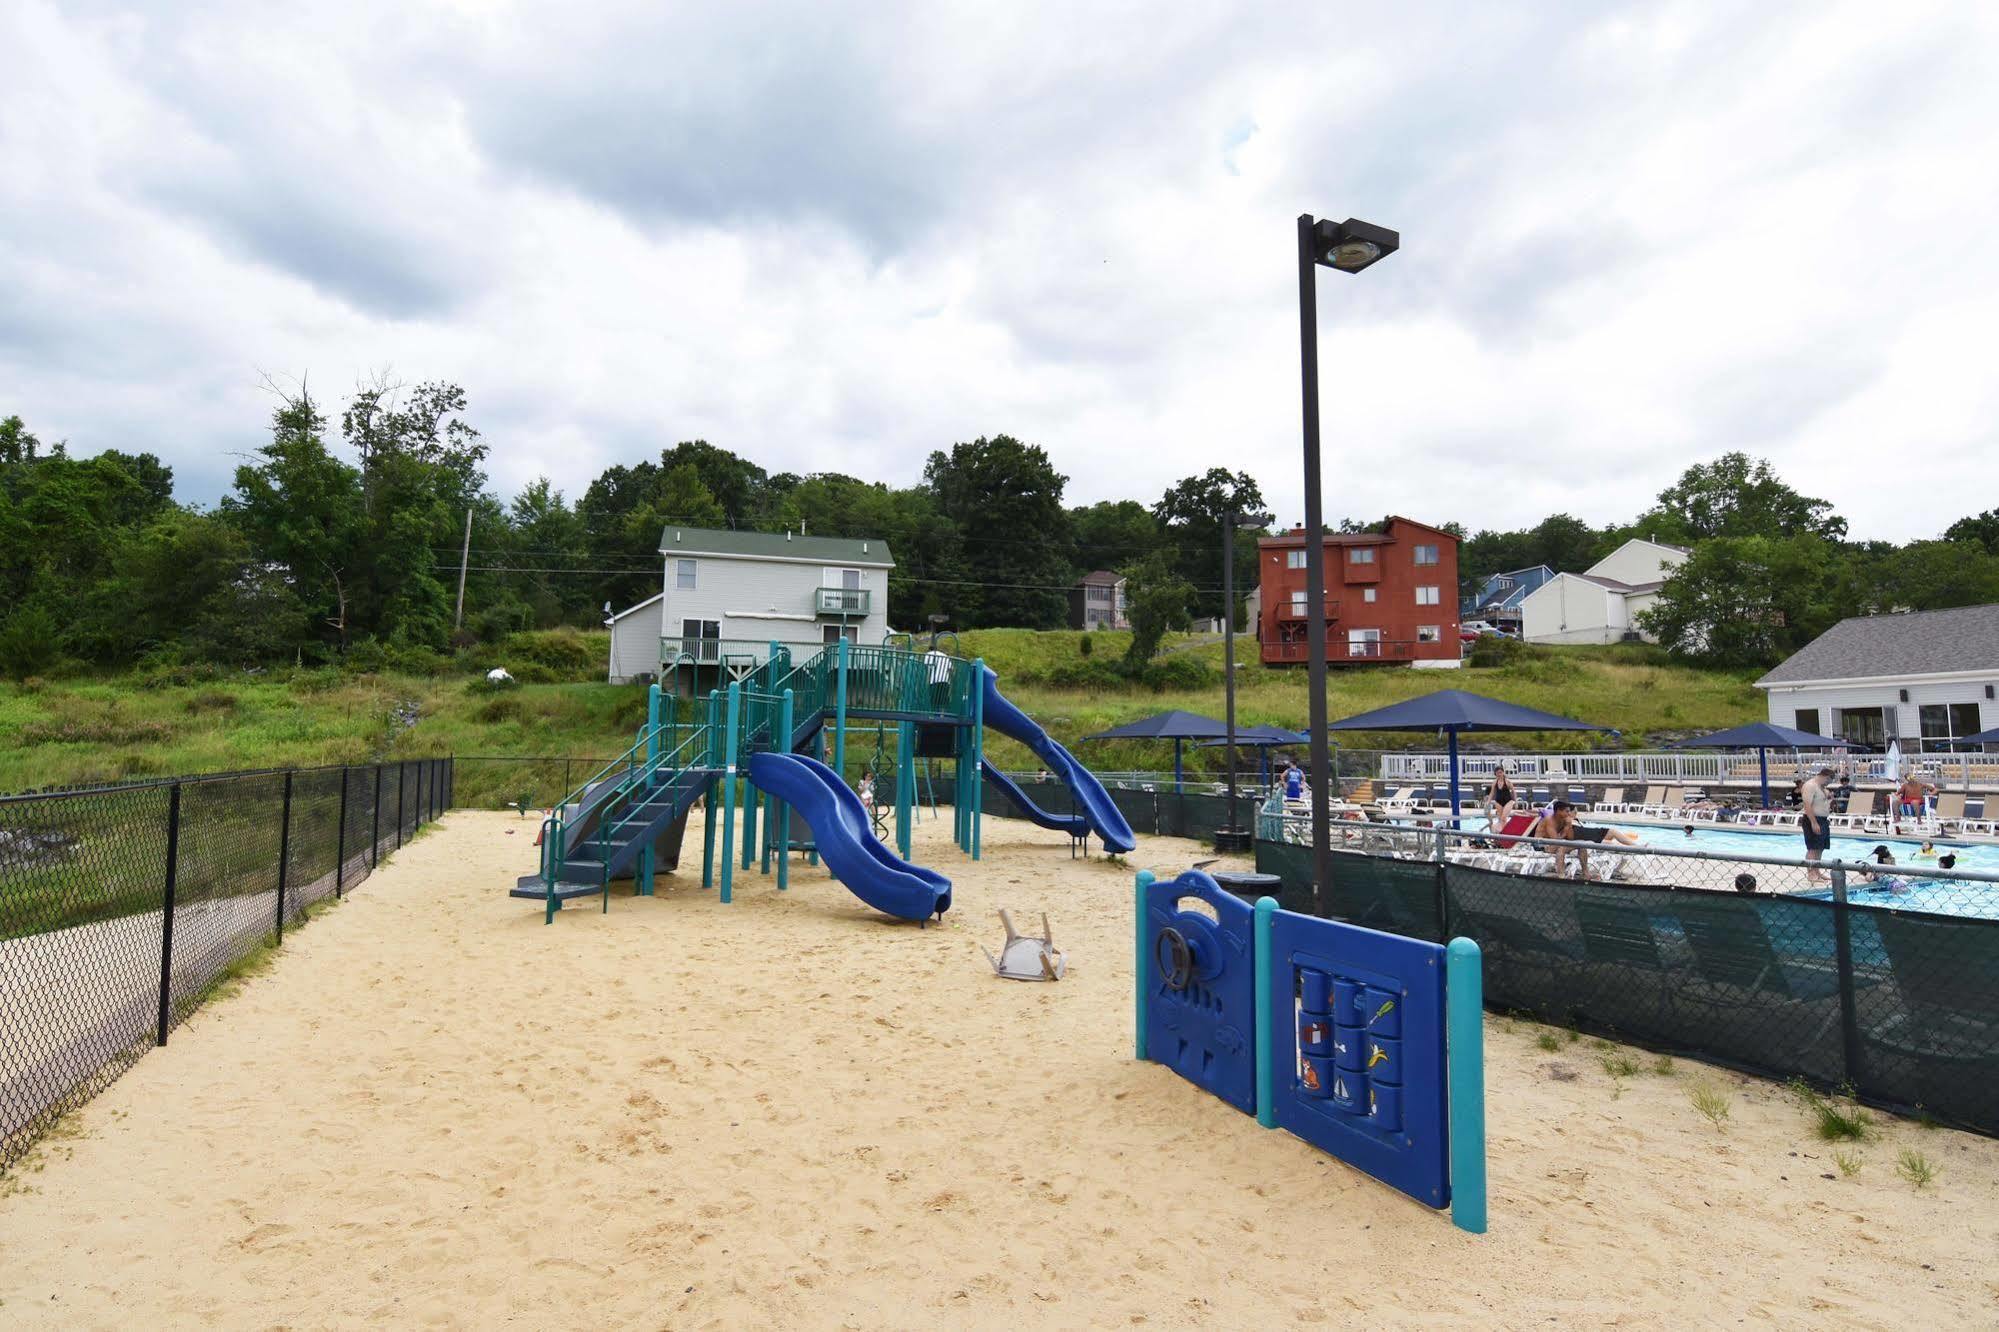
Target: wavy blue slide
{"points": [[1073, 824], [846, 840], [1098, 809]]}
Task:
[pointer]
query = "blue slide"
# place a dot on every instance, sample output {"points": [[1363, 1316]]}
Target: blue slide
{"points": [[847, 841], [1073, 824], [1098, 810]]}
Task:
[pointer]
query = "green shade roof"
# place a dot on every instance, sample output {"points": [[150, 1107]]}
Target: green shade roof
{"points": [[678, 540]]}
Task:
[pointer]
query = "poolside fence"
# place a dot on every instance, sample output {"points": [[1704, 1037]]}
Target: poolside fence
{"points": [[1837, 985], [122, 908]]}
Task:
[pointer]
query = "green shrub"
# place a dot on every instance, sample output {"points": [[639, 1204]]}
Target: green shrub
{"points": [[1492, 650], [1086, 647], [30, 642], [544, 656], [1181, 670]]}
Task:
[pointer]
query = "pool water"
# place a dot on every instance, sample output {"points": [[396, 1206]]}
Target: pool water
{"points": [[1724, 840]]}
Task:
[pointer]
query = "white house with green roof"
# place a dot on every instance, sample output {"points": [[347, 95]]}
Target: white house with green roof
{"points": [[727, 594]]}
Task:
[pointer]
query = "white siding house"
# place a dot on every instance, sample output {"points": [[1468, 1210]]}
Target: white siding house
{"points": [[729, 592], [1922, 679], [1602, 603]]}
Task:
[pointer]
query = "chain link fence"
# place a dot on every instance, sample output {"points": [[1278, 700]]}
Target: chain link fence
{"points": [[1883, 978], [122, 908]]}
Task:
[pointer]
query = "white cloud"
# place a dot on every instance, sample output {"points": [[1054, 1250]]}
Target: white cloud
{"points": [[1631, 241]]}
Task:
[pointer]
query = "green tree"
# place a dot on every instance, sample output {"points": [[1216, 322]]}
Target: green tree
{"points": [[1191, 513], [1982, 528], [1005, 498], [1157, 601], [736, 484], [300, 509], [1738, 496], [1748, 601], [1110, 533]]}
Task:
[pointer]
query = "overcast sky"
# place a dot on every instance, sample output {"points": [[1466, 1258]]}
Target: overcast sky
{"points": [[836, 237]]}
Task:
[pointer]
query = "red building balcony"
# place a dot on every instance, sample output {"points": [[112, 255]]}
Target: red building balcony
{"points": [[1295, 611]]}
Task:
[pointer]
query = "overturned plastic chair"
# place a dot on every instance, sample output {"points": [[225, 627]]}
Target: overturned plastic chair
{"points": [[1025, 957]]}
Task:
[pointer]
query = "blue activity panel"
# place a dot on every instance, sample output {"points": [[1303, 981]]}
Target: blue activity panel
{"points": [[1357, 1049], [1199, 986]]}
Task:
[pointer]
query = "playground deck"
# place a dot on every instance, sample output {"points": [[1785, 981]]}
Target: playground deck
{"points": [[795, 1112]]}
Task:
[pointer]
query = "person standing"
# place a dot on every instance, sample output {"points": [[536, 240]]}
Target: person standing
{"points": [[1500, 798], [939, 664], [1294, 782], [1815, 821]]}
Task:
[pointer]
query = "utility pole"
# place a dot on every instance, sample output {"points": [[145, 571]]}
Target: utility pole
{"points": [[464, 558]]}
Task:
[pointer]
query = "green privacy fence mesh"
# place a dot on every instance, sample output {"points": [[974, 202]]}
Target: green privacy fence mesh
{"points": [[1901, 1006]]}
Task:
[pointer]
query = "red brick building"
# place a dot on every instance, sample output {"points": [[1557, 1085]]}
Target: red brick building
{"points": [[1390, 595]]}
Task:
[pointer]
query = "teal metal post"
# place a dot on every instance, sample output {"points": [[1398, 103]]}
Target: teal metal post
{"points": [[1464, 1053], [1141, 967], [905, 784], [1266, 1065], [979, 750], [781, 812], [709, 759], [734, 709], [750, 797], [642, 877], [840, 713]]}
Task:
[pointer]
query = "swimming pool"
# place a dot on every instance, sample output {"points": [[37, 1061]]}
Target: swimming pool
{"points": [[1723, 840]]}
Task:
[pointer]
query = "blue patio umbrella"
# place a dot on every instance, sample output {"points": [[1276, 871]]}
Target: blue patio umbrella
{"points": [[1990, 737], [1762, 737], [1177, 726], [1450, 711]]}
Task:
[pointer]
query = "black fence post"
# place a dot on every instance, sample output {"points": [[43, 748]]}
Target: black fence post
{"points": [[375, 831], [1443, 888], [284, 854], [1849, 1018], [402, 785], [565, 780], [167, 909], [340, 840]]}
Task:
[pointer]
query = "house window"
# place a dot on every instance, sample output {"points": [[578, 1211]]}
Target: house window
{"points": [[1361, 555], [1426, 596], [701, 639], [1808, 721], [1363, 642], [1426, 554], [1429, 633], [833, 633], [1863, 726], [1298, 604], [1098, 592], [683, 575], [1294, 559], [1947, 721], [1367, 594]]}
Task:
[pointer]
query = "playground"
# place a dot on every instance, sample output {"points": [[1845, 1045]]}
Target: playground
{"points": [[793, 1110]]}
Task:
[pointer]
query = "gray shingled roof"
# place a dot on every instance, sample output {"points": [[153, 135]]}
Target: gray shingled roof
{"points": [[681, 540], [1917, 643]]}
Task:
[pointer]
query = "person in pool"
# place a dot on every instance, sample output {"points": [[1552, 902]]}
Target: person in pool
{"points": [[1927, 851], [1892, 883]]}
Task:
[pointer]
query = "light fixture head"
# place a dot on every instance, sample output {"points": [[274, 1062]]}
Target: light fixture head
{"points": [[1352, 245]]}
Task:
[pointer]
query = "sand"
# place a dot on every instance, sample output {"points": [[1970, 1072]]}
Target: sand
{"points": [[794, 1112]]}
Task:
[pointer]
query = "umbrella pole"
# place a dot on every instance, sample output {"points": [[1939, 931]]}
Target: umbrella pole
{"points": [[1453, 733], [1176, 763], [1763, 773]]}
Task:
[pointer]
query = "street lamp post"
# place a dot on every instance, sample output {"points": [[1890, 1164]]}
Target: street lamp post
{"points": [[1348, 246], [1233, 837]]}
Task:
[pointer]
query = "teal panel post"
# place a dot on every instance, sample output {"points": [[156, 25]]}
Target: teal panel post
{"points": [[1464, 1034], [840, 712], [750, 797], [709, 759], [1141, 967], [652, 724], [905, 784], [781, 812], [978, 750], [1266, 1062], [734, 710]]}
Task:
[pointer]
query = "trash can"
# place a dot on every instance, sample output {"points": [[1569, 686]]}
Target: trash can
{"points": [[1250, 886]]}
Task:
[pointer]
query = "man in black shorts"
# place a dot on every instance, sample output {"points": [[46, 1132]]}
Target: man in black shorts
{"points": [[1815, 821], [1561, 825]]}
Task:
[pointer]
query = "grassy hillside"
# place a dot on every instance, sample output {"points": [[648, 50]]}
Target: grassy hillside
{"points": [[98, 729]]}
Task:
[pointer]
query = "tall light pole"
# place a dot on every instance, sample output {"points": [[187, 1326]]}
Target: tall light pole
{"points": [[1233, 837], [1348, 246]]}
